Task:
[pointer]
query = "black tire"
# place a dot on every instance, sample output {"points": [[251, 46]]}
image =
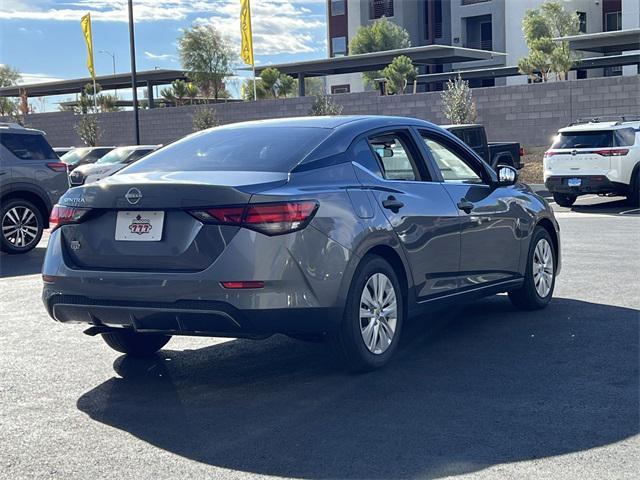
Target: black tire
{"points": [[348, 340], [634, 190], [10, 243], [527, 297], [135, 344], [564, 199]]}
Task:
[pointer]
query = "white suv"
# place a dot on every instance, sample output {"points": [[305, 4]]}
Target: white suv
{"points": [[594, 157]]}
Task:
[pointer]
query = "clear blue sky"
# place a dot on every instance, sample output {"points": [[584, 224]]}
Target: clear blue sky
{"points": [[42, 38]]}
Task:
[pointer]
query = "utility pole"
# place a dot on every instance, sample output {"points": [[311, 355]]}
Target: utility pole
{"points": [[134, 80]]}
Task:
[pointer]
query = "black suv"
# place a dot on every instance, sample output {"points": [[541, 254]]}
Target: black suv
{"points": [[32, 178]]}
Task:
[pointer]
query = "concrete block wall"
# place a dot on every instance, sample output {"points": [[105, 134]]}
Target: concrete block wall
{"points": [[529, 114]]}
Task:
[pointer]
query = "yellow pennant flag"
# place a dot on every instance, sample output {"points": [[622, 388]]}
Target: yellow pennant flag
{"points": [[246, 50], [85, 23]]}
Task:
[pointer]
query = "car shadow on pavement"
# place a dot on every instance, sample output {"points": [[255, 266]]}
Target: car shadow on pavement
{"points": [[470, 389], [22, 264], [607, 206]]}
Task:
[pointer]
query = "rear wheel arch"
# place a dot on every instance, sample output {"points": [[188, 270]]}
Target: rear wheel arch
{"points": [[32, 197], [393, 258]]}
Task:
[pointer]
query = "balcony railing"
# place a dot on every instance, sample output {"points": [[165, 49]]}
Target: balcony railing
{"points": [[481, 45]]}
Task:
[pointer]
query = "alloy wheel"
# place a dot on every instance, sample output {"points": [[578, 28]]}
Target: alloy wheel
{"points": [[543, 267], [20, 226], [378, 313]]}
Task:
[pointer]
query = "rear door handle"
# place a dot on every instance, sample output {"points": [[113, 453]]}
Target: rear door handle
{"points": [[392, 204], [465, 205]]}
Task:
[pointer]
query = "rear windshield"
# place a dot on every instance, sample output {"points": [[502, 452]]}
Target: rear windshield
{"points": [[258, 149], [596, 139], [27, 146], [78, 154], [117, 155]]}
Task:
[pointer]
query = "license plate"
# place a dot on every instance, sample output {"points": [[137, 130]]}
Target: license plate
{"points": [[574, 182], [139, 226]]}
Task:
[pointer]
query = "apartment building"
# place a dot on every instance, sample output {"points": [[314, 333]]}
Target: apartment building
{"points": [[482, 24], [427, 22]]}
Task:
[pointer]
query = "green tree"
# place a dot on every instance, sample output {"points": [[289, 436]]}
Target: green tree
{"points": [[204, 118], [8, 76], [246, 89], [179, 91], [324, 105], [88, 130], [399, 73], [192, 92], [108, 102], [457, 102], [271, 81], [287, 85], [167, 94], [379, 36], [539, 27], [207, 57]]}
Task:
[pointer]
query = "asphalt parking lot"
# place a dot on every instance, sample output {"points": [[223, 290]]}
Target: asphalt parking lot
{"points": [[481, 392]]}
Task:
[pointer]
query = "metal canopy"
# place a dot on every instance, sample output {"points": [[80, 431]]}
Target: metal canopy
{"points": [[500, 72], [605, 42], [426, 55], [107, 82]]}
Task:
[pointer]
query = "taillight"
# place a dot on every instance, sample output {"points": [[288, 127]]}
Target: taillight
{"points": [[549, 153], [612, 152], [267, 218], [61, 215], [522, 152], [57, 166], [242, 285]]}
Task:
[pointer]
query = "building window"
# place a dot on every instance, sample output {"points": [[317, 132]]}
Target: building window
{"points": [[335, 89], [338, 46], [471, 2], [380, 8], [337, 7], [582, 16], [433, 25], [479, 32], [613, 21]]}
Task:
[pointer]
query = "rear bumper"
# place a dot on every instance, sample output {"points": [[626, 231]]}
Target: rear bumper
{"points": [[302, 274], [589, 184], [189, 317]]}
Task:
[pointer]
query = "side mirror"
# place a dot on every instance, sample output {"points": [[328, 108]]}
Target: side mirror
{"points": [[506, 176]]}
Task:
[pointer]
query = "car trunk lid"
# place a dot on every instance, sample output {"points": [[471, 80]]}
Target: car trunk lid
{"points": [[160, 202]]}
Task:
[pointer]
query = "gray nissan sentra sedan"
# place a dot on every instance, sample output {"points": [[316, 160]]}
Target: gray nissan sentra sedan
{"points": [[334, 227]]}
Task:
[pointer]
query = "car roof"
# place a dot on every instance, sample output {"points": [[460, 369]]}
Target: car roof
{"points": [[595, 126], [461, 125], [17, 128], [330, 122]]}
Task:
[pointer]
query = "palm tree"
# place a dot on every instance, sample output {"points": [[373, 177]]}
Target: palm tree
{"points": [[179, 91], [168, 95], [192, 91]]}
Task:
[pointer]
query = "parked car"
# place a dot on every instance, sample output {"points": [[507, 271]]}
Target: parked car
{"points": [[62, 150], [495, 154], [600, 157], [334, 227], [115, 160], [32, 178], [84, 155]]}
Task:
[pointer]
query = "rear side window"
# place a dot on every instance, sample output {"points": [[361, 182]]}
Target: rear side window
{"points": [[394, 155], [594, 139], [258, 149], [27, 146], [625, 137]]}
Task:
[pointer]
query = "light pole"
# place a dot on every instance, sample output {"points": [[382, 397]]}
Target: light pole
{"points": [[113, 59], [134, 81]]}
